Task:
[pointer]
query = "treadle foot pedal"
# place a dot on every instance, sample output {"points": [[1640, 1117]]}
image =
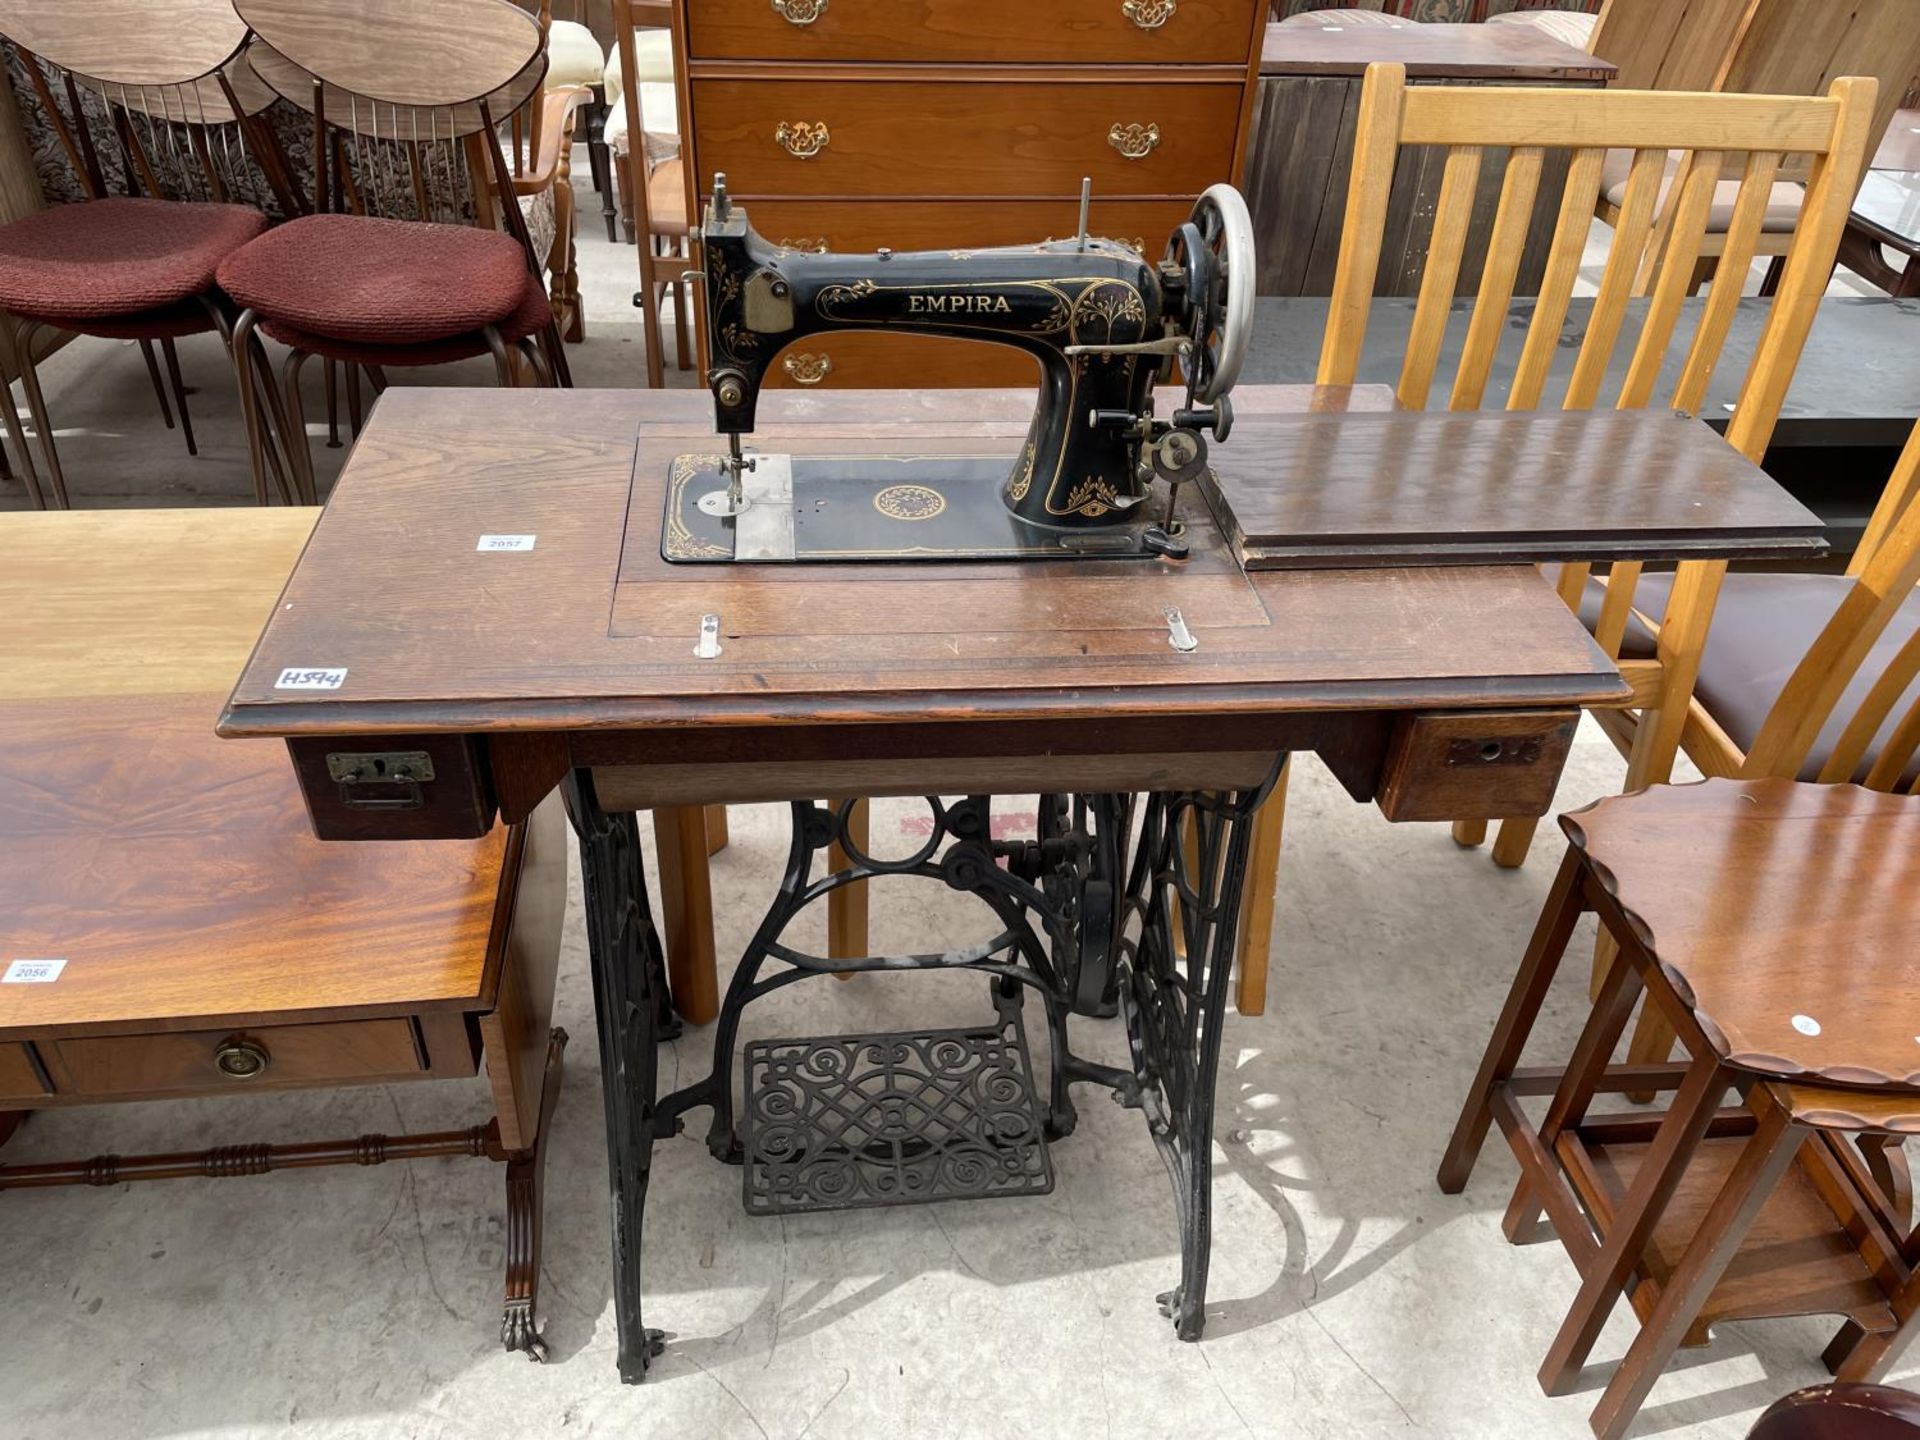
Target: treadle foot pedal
{"points": [[849, 1122]]}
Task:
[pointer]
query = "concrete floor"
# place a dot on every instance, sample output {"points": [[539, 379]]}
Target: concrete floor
{"points": [[1349, 1298]]}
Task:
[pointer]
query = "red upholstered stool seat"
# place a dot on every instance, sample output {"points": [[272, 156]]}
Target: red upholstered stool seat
{"points": [[103, 260], [378, 282], [529, 316]]}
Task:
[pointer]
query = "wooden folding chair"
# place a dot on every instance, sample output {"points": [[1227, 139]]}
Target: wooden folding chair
{"points": [[1746, 134], [1770, 923]]}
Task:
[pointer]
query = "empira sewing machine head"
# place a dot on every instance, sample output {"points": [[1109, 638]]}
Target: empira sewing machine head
{"points": [[1106, 325]]}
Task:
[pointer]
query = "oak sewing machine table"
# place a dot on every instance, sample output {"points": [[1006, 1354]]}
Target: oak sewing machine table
{"points": [[484, 615]]}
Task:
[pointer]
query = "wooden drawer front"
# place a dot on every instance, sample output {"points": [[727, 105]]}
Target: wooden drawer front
{"points": [[1472, 765], [19, 1080], [947, 225], [962, 137], [869, 360], [188, 1062], [1072, 32]]}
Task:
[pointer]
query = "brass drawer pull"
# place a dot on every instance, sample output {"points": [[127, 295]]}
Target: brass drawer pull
{"points": [[1134, 142], [1147, 14], [806, 244], [801, 140], [804, 12], [808, 369], [239, 1058]]}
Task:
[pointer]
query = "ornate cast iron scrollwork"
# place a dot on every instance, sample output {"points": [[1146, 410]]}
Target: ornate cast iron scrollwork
{"points": [[630, 1002], [801, 139], [1134, 142], [1149, 14], [805, 12]]}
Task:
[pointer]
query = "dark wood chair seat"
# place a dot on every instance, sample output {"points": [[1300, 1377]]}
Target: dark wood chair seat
{"points": [[1841, 1412], [1744, 892]]}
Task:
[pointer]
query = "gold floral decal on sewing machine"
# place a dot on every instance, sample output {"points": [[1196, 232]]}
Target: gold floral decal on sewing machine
{"points": [[1147, 14], [803, 141], [1134, 142], [805, 12], [1023, 477], [682, 543], [804, 245], [910, 502], [1092, 497]]}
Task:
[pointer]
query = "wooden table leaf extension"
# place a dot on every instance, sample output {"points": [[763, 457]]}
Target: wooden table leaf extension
{"points": [[169, 925], [579, 663]]}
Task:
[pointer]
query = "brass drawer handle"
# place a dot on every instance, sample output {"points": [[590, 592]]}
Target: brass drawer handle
{"points": [[239, 1058], [801, 140], [1134, 142], [807, 244], [1147, 14], [801, 12], [808, 369]]}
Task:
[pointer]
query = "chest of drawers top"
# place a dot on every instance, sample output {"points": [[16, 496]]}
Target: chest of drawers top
{"points": [[975, 32]]}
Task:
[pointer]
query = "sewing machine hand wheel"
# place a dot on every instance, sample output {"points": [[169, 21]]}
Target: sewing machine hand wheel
{"points": [[1215, 247]]}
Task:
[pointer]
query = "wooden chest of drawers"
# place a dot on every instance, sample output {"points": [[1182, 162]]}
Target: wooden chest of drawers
{"points": [[937, 124]]}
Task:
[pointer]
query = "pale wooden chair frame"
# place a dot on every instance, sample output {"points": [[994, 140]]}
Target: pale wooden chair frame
{"points": [[1717, 130], [657, 272]]}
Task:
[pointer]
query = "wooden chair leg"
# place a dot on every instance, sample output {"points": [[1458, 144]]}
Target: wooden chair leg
{"points": [[1626, 1240], [1469, 833], [37, 409], [716, 829], [1886, 1161], [847, 907], [1256, 916], [686, 905], [1517, 1017], [1754, 1176], [1510, 846], [17, 435]]}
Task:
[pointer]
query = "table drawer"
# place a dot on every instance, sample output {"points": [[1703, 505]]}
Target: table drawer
{"points": [[1072, 32], [1475, 764], [869, 360], [19, 1079], [949, 225], [969, 136], [215, 1061]]}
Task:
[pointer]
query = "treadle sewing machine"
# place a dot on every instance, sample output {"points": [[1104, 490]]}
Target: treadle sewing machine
{"points": [[1104, 323], [497, 603]]}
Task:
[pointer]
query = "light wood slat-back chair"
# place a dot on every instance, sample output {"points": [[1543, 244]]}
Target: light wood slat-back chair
{"points": [[417, 253], [181, 146], [656, 193], [1770, 922], [1743, 134]]}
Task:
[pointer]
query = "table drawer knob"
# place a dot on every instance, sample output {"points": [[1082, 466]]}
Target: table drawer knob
{"points": [[1149, 14], [808, 369], [239, 1058], [801, 140], [1134, 142], [799, 12]]}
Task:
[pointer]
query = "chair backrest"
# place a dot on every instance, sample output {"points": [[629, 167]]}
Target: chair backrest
{"points": [[1884, 572], [1669, 44], [173, 110], [630, 17], [406, 101]]}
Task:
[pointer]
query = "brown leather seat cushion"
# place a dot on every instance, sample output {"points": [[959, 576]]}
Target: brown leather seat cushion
{"points": [[379, 282], [1762, 625], [107, 259], [1785, 912]]}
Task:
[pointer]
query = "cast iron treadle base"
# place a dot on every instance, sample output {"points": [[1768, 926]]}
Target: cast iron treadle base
{"points": [[848, 1122]]}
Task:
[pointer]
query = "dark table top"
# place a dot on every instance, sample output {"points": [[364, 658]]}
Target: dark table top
{"points": [[1457, 52], [1857, 384]]}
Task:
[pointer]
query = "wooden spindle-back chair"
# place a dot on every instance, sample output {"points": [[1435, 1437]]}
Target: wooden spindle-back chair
{"points": [[175, 174], [392, 267], [1744, 134]]}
